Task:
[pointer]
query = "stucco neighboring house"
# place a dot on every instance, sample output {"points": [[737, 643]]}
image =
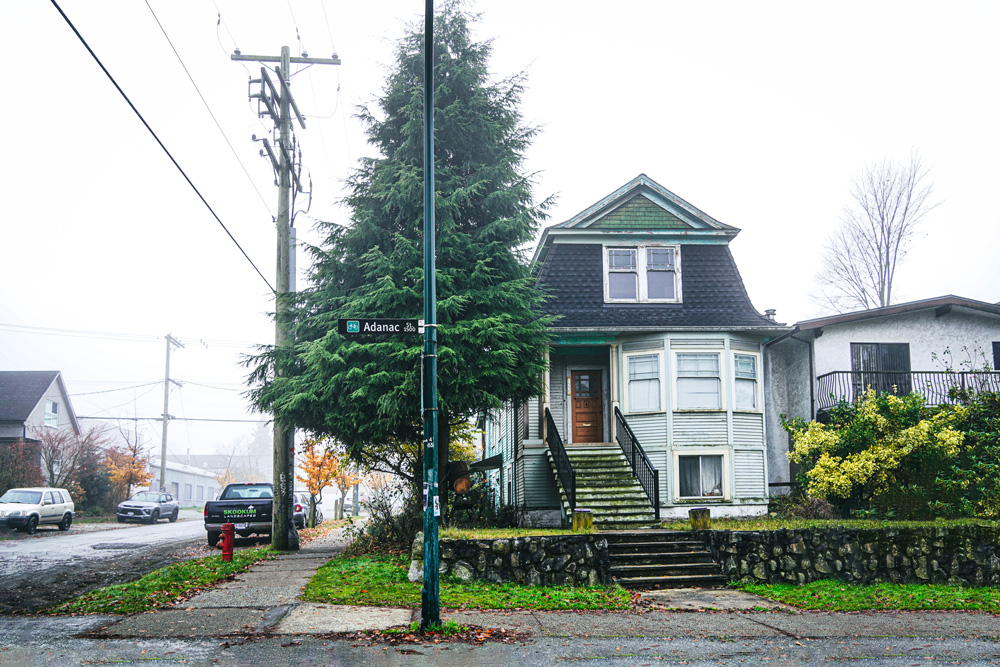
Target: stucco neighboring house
{"points": [[191, 486], [899, 348], [654, 398], [31, 401]]}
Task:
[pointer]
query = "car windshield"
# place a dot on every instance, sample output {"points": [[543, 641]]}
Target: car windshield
{"points": [[146, 497], [22, 496], [248, 491]]}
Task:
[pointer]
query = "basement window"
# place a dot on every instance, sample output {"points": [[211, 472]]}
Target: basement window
{"points": [[700, 476]]}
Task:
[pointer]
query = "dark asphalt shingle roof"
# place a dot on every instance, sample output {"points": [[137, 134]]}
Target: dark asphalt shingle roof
{"points": [[711, 287], [20, 392]]}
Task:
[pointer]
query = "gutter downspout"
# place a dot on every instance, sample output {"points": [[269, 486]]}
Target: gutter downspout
{"points": [[812, 376]]}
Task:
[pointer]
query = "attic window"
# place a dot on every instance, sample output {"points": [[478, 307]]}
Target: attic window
{"points": [[641, 274], [51, 413]]}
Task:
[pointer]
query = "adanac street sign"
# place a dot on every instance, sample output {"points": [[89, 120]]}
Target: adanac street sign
{"points": [[378, 326]]}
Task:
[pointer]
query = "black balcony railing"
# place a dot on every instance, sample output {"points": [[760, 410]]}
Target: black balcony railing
{"points": [[645, 471], [935, 386], [567, 476]]}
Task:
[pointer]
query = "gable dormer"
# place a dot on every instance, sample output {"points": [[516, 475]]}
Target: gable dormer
{"points": [[641, 257]]}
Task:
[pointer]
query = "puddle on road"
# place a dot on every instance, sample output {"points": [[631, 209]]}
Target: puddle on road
{"points": [[115, 546]]}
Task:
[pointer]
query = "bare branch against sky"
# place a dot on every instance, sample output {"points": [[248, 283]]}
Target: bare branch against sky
{"points": [[889, 200]]}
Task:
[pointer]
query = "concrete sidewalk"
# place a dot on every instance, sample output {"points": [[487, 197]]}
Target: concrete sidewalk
{"points": [[264, 601]]}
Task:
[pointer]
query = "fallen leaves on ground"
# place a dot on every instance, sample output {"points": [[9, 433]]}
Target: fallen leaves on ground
{"points": [[472, 634]]}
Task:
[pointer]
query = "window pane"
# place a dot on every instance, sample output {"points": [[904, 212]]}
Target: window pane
{"points": [[746, 366], [698, 365], [660, 284], [660, 259], [690, 476], [622, 286], [711, 475], [746, 394], [695, 393], [644, 395], [643, 368], [621, 258]]}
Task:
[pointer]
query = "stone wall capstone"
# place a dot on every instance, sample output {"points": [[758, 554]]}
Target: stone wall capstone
{"points": [[957, 555], [538, 560]]}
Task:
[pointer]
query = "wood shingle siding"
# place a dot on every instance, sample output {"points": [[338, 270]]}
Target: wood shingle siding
{"points": [[640, 213]]}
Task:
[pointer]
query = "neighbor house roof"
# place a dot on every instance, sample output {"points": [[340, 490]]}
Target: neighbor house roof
{"points": [[941, 305], [20, 392]]}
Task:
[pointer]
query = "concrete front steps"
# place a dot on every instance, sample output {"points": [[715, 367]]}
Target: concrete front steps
{"points": [[662, 559], [606, 485]]}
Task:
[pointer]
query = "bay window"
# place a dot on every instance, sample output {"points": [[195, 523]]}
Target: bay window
{"points": [[699, 384], [643, 382]]}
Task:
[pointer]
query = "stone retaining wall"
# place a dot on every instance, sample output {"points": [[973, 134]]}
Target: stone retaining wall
{"points": [[545, 560], [962, 555]]}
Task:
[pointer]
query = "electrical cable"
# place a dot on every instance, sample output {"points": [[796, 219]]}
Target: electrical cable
{"points": [[178, 419], [127, 337], [157, 138], [205, 102], [108, 391]]}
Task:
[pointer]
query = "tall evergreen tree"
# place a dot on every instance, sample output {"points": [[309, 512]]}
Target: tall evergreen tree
{"points": [[365, 393]]}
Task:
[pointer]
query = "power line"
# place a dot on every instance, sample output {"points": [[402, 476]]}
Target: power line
{"points": [[108, 391], [179, 419], [205, 102], [162, 146], [138, 338]]}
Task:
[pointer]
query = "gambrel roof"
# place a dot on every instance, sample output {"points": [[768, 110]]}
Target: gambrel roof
{"points": [[568, 264]]}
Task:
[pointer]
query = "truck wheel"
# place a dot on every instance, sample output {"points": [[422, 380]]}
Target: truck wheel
{"points": [[213, 538]]}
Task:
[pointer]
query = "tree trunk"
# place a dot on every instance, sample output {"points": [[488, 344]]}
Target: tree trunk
{"points": [[312, 511]]}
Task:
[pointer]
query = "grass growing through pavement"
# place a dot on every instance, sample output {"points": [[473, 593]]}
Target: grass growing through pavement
{"points": [[768, 522], [380, 579], [161, 587], [829, 595]]}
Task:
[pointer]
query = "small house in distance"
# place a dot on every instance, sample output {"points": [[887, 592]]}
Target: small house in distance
{"points": [[31, 401], [654, 401]]}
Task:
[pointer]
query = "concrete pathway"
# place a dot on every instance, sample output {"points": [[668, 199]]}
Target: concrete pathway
{"points": [[264, 602]]}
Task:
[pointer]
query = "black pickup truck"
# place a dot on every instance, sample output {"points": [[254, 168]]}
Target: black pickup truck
{"points": [[248, 506]]}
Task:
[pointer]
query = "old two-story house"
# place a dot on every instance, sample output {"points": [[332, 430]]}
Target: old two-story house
{"points": [[31, 401], [654, 400], [928, 346]]}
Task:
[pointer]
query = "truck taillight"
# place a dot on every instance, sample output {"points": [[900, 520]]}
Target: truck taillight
{"points": [[206, 511]]}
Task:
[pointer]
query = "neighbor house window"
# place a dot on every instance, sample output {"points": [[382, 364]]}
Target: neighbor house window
{"points": [[51, 413], [745, 385], [700, 476], [699, 384], [643, 383], [201, 493], [187, 492], [641, 274]]}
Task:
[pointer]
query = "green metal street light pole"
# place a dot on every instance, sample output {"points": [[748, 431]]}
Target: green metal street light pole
{"points": [[430, 599]]}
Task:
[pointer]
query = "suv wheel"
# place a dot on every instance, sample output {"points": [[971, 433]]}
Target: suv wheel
{"points": [[32, 525], [66, 522], [155, 516], [173, 517]]}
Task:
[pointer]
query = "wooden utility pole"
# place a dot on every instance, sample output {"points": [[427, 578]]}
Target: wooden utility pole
{"points": [[277, 103], [166, 413]]}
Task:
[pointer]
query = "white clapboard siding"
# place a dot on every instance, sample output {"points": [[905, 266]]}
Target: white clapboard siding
{"points": [[539, 486], [533, 430], [700, 428], [557, 397], [659, 459], [744, 345], [748, 430], [650, 430], [748, 469], [697, 344]]}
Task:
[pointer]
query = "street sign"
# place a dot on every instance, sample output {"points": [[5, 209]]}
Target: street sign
{"points": [[378, 327]]}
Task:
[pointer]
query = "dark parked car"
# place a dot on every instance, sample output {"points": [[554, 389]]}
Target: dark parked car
{"points": [[149, 507]]}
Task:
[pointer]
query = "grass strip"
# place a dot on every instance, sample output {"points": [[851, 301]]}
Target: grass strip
{"points": [[161, 587], [501, 533], [380, 580], [779, 523], [830, 595]]}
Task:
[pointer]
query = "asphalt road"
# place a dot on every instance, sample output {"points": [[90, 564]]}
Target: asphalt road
{"points": [[84, 542]]}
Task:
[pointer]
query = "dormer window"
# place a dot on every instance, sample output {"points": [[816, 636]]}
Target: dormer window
{"points": [[642, 273]]}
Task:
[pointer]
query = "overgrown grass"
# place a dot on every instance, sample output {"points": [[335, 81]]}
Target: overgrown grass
{"points": [[161, 587], [829, 595], [499, 533], [380, 580], [769, 522]]}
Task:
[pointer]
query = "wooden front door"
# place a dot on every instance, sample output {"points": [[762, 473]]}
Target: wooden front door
{"points": [[586, 396]]}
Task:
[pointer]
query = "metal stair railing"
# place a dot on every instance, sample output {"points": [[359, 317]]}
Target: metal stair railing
{"points": [[564, 469], [645, 471]]}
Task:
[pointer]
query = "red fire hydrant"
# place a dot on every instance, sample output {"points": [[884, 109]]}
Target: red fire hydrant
{"points": [[228, 535]]}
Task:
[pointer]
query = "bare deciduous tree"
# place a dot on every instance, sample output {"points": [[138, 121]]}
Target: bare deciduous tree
{"points": [[67, 457], [889, 200]]}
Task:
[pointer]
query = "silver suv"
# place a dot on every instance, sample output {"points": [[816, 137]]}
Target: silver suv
{"points": [[27, 508], [149, 507]]}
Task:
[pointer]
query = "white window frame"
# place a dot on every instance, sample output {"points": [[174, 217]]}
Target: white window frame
{"points": [[757, 381], [723, 391], [727, 494], [51, 413], [642, 295], [662, 378]]}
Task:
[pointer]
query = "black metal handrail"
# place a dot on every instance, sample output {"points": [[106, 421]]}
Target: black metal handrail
{"points": [[567, 476], [935, 386], [645, 471]]}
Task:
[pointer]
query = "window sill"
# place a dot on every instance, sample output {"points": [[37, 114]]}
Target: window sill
{"points": [[707, 500], [747, 412], [718, 410], [645, 414], [641, 303]]}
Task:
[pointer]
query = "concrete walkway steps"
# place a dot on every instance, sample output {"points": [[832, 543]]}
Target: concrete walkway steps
{"points": [[662, 559]]}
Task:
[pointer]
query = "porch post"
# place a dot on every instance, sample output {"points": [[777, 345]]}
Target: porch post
{"points": [[546, 391], [615, 403]]}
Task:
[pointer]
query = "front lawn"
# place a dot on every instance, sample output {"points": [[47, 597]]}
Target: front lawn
{"points": [[769, 522], [830, 595], [380, 579]]}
